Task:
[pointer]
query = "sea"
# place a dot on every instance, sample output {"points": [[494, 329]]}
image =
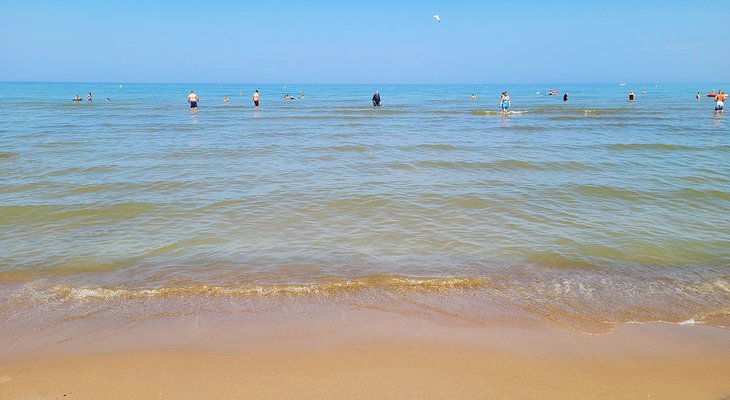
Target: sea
{"points": [[591, 213]]}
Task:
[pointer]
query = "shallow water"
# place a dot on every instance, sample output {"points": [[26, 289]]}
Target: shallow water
{"points": [[595, 207]]}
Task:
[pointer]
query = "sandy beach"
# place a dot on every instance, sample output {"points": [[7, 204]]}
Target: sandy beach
{"points": [[362, 353], [530, 203]]}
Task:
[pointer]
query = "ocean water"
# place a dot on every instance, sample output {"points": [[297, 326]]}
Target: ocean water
{"points": [[594, 211]]}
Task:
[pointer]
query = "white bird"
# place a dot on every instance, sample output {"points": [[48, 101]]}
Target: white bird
{"points": [[437, 18]]}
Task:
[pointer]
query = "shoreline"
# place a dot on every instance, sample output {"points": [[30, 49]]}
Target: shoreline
{"points": [[343, 352]]}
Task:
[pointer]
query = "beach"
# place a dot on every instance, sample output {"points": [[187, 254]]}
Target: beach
{"points": [[325, 248], [360, 353]]}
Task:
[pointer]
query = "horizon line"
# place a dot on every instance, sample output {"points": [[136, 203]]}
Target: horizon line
{"points": [[362, 84]]}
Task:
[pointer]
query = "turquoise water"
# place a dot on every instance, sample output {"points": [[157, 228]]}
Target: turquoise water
{"points": [[596, 194]]}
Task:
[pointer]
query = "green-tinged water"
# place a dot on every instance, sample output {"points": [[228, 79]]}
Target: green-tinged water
{"points": [[599, 208]]}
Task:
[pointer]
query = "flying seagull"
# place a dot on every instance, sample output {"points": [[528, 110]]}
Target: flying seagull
{"points": [[437, 18]]}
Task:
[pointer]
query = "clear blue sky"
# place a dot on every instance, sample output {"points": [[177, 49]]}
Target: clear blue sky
{"points": [[375, 41]]}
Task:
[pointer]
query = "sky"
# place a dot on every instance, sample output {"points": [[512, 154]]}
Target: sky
{"points": [[287, 41]]}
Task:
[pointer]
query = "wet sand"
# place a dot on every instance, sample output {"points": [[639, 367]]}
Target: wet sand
{"points": [[362, 353]]}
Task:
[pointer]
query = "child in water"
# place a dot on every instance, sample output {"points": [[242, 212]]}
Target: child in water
{"points": [[505, 103]]}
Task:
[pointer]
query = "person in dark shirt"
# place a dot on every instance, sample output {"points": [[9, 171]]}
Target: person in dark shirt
{"points": [[376, 99]]}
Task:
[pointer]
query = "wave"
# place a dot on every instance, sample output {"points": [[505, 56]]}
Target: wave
{"points": [[490, 112], [158, 187], [430, 146], [356, 148], [447, 112], [8, 155], [100, 169], [611, 192], [70, 143], [620, 193], [650, 146], [89, 213], [400, 166], [691, 194], [588, 301], [367, 111], [376, 281], [562, 109], [525, 128], [312, 117], [507, 165]]}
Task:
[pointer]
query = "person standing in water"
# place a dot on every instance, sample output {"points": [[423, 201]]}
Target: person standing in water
{"points": [[720, 102], [193, 100], [631, 95], [89, 97], [565, 96], [505, 102], [473, 97], [256, 99], [697, 97], [376, 99]]}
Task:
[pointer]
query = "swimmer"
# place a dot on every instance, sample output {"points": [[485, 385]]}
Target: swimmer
{"points": [[193, 100], [256, 99], [643, 91], [473, 97], [301, 95], [225, 99], [565, 96], [631, 95], [697, 97], [77, 98], [376, 99], [89, 97], [505, 102], [240, 92], [720, 102], [108, 99]]}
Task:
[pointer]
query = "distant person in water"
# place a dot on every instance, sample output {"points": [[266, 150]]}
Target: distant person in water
{"points": [[631, 95], [565, 96], [505, 102], [193, 100], [301, 95], [256, 99], [720, 102], [698, 96], [89, 97], [473, 97], [643, 91], [77, 98], [376, 99], [225, 99]]}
